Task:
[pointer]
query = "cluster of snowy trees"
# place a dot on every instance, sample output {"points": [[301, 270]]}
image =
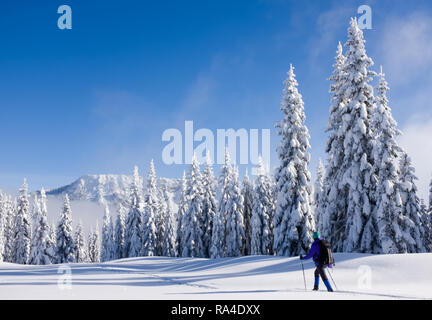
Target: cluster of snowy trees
{"points": [[364, 198], [26, 237]]}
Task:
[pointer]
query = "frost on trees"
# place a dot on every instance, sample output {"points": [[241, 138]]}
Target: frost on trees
{"points": [[248, 196], [41, 251], [120, 231], [22, 228], [234, 223], [94, 245], [80, 245], [382, 232], [217, 249], [107, 247], [192, 242], [65, 245], [9, 229], [134, 223], [411, 217], [209, 206], [330, 203], [169, 236], [317, 195], [350, 199], [293, 219], [151, 212], [262, 213], [182, 208]]}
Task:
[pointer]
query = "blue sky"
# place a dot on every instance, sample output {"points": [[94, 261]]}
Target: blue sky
{"points": [[96, 99]]}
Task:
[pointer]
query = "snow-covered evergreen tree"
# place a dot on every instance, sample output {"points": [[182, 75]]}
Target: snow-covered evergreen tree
{"points": [[94, 245], [9, 228], [151, 212], [182, 208], [80, 245], [264, 204], [209, 206], [293, 220], [317, 195], [330, 202], [382, 232], [160, 221], [426, 225], [22, 231], [217, 249], [234, 222], [107, 245], [350, 198], [410, 221], [120, 231], [134, 222], [169, 237], [248, 192], [65, 245], [192, 242], [3, 215], [41, 251]]}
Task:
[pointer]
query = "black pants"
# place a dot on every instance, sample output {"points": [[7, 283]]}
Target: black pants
{"points": [[319, 271]]}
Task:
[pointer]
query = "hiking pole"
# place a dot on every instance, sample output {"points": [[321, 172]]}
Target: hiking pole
{"points": [[304, 277], [331, 277]]}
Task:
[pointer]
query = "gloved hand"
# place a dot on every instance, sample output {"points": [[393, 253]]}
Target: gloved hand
{"points": [[301, 257]]}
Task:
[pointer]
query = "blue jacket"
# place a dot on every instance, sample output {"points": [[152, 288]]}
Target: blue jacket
{"points": [[314, 252]]}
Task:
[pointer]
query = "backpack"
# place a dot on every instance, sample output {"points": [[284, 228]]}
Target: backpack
{"points": [[326, 255]]}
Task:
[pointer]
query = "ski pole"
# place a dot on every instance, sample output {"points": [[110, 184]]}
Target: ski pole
{"points": [[304, 277], [331, 277]]}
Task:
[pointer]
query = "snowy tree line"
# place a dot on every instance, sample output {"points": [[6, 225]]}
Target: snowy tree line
{"points": [[364, 197]]}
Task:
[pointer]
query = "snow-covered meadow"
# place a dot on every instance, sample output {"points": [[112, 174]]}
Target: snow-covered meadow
{"points": [[357, 276]]}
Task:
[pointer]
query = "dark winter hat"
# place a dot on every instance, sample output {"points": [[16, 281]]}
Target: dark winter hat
{"points": [[316, 235]]}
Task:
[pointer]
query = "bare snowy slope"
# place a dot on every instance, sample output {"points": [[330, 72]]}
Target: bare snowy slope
{"points": [[358, 276]]}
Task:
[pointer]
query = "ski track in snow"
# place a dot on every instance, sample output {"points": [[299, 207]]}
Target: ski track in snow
{"points": [[252, 277]]}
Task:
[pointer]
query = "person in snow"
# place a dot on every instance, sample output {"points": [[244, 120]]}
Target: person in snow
{"points": [[315, 253]]}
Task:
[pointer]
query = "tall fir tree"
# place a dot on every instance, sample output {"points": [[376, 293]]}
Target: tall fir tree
{"points": [[169, 237], [160, 221], [209, 206], [151, 215], [350, 199], [3, 215], [217, 249], [234, 222], [330, 202], [182, 208], [81, 255], [120, 231], [134, 220], [9, 229], [65, 245], [192, 242], [107, 245], [94, 245], [264, 205], [410, 220], [293, 220], [22, 228], [317, 195], [382, 233], [248, 196], [41, 251]]}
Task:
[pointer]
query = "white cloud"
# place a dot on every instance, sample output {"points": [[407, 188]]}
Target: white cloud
{"points": [[417, 141], [406, 47]]}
